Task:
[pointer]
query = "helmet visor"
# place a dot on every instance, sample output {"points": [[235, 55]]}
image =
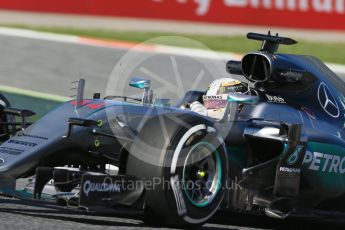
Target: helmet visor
{"points": [[215, 103]]}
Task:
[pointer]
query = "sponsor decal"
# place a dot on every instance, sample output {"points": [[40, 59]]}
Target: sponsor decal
{"points": [[238, 88], [316, 14], [105, 187], [324, 162], [214, 97], [99, 190], [24, 143], [328, 101], [31, 136], [275, 99], [11, 151], [293, 158], [289, 170], [180, 203]]}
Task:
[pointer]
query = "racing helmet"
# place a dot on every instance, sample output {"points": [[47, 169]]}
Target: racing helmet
{"points": [[215, 99]]}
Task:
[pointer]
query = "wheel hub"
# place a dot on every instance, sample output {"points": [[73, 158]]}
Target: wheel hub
{"points": [[202, 174]]}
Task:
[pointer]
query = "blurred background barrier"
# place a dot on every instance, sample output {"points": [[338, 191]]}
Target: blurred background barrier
{"points": [[312, 14]]}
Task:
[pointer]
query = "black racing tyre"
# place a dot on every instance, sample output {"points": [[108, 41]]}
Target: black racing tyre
{"points": [[184, 165], [3, 101], [5, 118]]}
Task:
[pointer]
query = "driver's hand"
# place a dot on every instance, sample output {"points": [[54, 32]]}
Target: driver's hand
{"points": [[186, 105], [198, 108]]}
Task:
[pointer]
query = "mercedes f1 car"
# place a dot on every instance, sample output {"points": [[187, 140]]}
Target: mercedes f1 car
{"points": [[278, 149]]}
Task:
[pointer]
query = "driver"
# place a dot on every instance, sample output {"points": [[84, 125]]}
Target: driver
{"points": [[215, 100]]}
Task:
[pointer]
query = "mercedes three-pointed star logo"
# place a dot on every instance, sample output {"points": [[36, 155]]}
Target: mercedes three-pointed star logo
{"points": [[328, 101]]}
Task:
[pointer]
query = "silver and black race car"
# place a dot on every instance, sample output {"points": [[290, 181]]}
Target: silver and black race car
{"points": [[278, 149]]}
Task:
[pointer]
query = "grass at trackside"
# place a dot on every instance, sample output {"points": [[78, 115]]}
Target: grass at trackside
{"points": [[326, 51]]}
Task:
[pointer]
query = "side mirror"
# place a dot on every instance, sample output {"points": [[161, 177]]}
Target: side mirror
{"points": [[242, 98], [233, 99], [144, 84], [140, 83]]}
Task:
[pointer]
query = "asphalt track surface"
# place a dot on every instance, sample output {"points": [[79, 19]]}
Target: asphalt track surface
{"points": [[21, 214], [49, 67]]}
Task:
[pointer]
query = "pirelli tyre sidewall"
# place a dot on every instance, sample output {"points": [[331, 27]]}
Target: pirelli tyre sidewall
{"points": [[170, 203]]}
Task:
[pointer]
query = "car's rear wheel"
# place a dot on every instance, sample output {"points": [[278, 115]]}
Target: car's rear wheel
{"points": [[184, 164]]}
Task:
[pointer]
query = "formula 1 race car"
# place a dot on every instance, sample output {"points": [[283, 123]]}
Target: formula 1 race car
{"points": [[278, 149]]}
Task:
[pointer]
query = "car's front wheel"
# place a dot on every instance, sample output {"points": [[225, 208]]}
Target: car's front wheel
{"points": [[184, 165]]}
